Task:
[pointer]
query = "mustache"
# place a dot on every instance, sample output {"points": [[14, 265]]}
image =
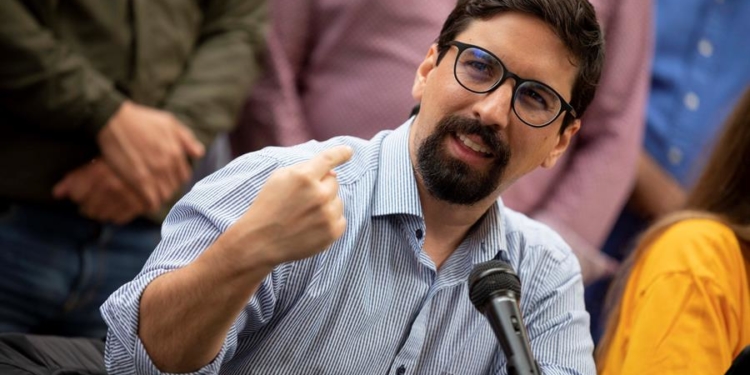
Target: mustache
{"points": [[465, 125]]}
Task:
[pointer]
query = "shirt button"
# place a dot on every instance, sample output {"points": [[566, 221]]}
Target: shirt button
{"points": [[419, 234], [401, 370], [705, 48], [692, 101], [674, 155]]}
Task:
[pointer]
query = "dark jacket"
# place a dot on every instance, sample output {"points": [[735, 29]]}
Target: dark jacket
{"points": [[67, 65]]}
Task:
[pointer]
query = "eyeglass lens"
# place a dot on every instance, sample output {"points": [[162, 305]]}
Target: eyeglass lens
{"points": [[533, 102]]}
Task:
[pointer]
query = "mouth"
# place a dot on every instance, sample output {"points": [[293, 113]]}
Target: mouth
{"points": [[475, 144]]}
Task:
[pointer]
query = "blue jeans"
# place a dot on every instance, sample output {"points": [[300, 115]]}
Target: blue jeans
{"points": [[57, 268]]}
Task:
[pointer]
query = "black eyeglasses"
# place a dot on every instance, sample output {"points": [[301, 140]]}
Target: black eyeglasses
{"points": [[480, 71]]}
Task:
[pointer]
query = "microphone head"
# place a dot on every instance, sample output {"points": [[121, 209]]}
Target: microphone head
{"points": [[490, 278]]}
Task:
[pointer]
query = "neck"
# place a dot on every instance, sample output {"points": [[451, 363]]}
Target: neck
{"points": [[447, 224]]}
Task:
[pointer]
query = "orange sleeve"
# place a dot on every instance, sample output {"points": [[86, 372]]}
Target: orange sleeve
{"points": [[677, 329], [679, 313]]}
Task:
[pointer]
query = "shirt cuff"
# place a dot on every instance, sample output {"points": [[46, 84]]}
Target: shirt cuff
{"points": [[124, 351]]}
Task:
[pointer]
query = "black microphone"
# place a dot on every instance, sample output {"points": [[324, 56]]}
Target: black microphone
{"points": [[494, 289]]}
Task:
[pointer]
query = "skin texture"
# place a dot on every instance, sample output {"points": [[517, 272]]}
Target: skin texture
{"points": [[145, 153]]}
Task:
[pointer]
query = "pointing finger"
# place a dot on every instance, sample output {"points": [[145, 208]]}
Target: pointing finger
{"points": [[321, 164]]}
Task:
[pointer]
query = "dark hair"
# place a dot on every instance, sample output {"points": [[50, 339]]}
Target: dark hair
{"points": [[574, 21]]}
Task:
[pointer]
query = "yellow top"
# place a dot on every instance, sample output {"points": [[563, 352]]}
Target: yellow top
{"points": [[686, 305]]}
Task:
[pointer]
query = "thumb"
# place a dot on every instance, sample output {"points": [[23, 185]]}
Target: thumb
{"points": [[322, 163], [190, 144], [62, 188]]}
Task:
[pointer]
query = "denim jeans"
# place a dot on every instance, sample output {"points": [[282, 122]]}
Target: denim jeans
{"points": [[57, 268]]}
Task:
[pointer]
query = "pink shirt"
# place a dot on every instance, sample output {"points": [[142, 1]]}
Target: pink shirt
{"points": [[338, 67]]}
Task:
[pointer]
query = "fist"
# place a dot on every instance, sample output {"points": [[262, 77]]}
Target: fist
{"points": [[298, 212]]}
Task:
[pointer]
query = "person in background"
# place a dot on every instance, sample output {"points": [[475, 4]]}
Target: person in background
{"points": [[351, 256], [337, 68], [324, 55], [700, 69], [681, 303], [104, 106]]}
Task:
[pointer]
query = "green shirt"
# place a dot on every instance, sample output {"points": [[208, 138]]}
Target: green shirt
{"points": [[66, 66]]}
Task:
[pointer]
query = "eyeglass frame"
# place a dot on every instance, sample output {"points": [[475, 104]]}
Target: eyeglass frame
{"points": [[564, 105]]}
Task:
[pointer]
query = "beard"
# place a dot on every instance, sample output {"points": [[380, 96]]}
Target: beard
{"points": [[450, 179]]}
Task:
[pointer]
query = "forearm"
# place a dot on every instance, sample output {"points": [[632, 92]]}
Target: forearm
{"points": [[185, 315]]}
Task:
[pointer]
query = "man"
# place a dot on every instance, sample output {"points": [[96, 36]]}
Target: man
{"points": [[322, 53], [314, 259], [103, 106]]}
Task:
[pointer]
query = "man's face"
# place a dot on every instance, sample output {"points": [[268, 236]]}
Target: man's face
{"points": [[469, 147], [453, 180]]}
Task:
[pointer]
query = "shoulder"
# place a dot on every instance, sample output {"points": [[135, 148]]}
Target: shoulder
{"points": [[228, 192], [525, 234], [703, 247], [364, 158], [544, 262]]}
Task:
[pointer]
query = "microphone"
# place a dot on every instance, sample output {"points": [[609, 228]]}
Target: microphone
{"points": [[495, 289]]}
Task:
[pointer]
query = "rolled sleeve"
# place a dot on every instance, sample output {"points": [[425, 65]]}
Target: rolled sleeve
{"points": [[124, 350], [192, 226]]}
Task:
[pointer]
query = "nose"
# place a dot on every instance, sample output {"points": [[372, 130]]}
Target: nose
{"points": [[494, 108]]}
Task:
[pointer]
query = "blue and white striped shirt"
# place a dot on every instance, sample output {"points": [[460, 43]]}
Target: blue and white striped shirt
{"points": [[372, 303]]}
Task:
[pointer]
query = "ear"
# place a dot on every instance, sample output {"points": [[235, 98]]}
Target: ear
{"points": [[420, 80], [563, 141]]}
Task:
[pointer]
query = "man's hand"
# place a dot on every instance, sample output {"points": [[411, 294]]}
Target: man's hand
{"points": [[149, 149], [297, 212], [100, 194]]}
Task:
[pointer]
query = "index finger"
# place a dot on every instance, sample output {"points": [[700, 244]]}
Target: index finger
{"points": [[325, 161]]}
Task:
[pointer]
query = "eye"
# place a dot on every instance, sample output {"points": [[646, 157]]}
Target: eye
{"points": [[537, 97], [479, 67]]}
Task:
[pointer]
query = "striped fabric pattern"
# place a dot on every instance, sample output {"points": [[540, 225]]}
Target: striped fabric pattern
{"points": [[373, 303]]}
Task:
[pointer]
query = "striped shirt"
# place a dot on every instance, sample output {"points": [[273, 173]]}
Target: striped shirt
{"points": [[373, 302]]}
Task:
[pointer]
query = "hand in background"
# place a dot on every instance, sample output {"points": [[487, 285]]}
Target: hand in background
{"points": [[595, 264], [149, 150], [656, 193], [101, 194]]}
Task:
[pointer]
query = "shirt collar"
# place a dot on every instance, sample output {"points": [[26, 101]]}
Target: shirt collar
{"points": [[395, 194], [489, 236], [396, 186]]}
